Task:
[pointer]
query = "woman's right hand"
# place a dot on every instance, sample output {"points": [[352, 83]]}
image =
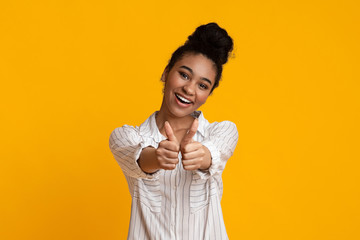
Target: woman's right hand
{"points": [[168, 150]]}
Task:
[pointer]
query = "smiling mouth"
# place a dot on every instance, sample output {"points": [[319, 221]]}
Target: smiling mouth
{"points": [[182, 99]]}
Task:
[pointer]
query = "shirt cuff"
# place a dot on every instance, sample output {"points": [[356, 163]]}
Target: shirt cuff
{"points": [[215, 161]]}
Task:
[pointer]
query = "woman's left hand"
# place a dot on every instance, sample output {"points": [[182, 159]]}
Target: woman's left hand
{"points": [[194, 154]]}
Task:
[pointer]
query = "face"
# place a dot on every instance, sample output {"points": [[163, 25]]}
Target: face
{"points": [[188, 84]]}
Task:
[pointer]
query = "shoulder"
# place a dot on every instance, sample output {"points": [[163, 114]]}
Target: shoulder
{"points": [[125, 130], [223, 128], [223, 124], [131, 133], [125, 135], [222, 136]]}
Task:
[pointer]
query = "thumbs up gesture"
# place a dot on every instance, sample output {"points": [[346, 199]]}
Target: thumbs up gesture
{"points": [[194, 154], [168, 150]]}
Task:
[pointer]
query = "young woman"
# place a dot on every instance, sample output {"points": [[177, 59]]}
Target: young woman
{"points": [[173, 162]]}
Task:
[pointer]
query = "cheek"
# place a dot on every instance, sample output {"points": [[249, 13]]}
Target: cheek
{"points": [[168, 86], [172, 83], [202, 97]]}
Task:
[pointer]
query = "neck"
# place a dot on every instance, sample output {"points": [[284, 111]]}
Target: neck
{"points": [[177, 123]]}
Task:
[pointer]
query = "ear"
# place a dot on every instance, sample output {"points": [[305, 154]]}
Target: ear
{"points": [[164, 75]]}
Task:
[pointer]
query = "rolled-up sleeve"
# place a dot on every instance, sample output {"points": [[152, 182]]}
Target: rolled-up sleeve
{"points": [[126, 145], [221, 140]]}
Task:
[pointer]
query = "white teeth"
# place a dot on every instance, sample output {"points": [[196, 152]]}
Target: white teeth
{"points": [[183, 99]]}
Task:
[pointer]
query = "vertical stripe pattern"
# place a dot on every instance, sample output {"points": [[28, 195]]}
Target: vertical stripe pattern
{"points": [[175, 204]]}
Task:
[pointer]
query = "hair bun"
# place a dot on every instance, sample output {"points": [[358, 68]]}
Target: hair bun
{"points": [[214, 40], [210, 40]]}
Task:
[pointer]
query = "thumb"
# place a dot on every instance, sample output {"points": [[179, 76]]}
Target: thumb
{"points": [[169, 132], [191, 133]]}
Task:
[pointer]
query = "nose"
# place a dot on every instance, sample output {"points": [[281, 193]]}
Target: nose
{"points": [[189, 89]]}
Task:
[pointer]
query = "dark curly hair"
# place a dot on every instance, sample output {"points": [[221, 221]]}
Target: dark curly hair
{"points": [[210, 40]]}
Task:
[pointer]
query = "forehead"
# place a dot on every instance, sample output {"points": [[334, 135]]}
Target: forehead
{"points": [[199, 64]]}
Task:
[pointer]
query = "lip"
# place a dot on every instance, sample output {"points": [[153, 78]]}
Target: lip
{"points": [[184, 105], [184, 97]]}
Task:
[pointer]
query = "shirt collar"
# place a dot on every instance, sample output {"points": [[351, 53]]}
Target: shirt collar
{"points": [[150, 129]]}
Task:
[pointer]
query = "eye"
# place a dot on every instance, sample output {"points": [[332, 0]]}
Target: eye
{"points": [[203, 86], [184, 75]]}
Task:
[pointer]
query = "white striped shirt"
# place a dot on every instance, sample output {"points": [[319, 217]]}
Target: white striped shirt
{"points": [[175, 204]]}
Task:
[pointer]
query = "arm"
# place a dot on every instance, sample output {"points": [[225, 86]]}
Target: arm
{"points": [[147, 161], [220, 140], [164, 157], [126, 145]]}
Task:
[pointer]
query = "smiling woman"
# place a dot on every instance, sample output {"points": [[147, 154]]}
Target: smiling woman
{"points": [[187, 85], [174, 161]]}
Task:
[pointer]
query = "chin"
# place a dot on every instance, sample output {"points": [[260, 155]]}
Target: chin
{"points": [[182, 113]]}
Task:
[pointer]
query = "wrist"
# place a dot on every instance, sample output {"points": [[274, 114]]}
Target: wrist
{"points": [[147, 161]]}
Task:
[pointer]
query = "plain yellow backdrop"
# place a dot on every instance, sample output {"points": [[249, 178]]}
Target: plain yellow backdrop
{"points": [[72, 71]]}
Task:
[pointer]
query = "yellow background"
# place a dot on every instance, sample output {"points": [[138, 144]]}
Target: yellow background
{"points": [[72, 71]]}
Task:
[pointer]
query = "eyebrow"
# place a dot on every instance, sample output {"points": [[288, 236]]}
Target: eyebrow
{"points": [[191, 71]]}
